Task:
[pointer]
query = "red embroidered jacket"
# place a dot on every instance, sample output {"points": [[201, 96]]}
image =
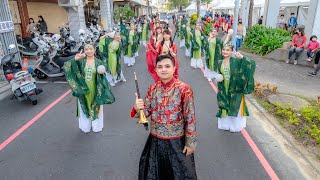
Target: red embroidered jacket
{"points": [[172, 111]]}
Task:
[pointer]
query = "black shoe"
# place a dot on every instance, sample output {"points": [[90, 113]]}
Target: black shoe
{"points": [[313, 74]]}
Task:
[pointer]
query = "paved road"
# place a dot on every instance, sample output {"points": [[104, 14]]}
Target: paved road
{"points": [[54, 148]]}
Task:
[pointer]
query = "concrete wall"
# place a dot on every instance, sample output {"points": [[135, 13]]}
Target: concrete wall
{"points": [[312, 24], [52, 13]]}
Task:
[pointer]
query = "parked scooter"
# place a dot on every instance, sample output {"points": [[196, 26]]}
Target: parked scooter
{"points": [[66, 41], [50, 66], [38, 46], [22, 83]]}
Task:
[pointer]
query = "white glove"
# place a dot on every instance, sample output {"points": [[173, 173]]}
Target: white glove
{"points": [[101, 69], [219, 77]]}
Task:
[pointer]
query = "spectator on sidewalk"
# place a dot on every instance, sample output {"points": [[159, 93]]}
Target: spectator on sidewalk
{"points": [[260, 20], [281, 22], [32, 26], [241, 33], [312, 47], [43, 28], [292, 22], [297, 45], [316, 65]]}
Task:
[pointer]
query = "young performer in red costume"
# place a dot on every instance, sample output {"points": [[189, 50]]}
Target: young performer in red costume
{"points": [[169, 150], [168, 46], [152, 53]]}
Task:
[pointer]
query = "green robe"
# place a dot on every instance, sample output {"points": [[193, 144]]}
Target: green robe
{"points": [[91, 83], [241, 81], [112, 58], [130, 43], [83, 89], [184, 21], [145, 30], [104, 53], [123, 27], [196, 44], [182, 28], [187, 36], [213, 53], [177, 25]]}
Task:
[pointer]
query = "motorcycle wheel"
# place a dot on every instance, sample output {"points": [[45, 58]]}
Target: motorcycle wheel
{"points": [[34, 102]]}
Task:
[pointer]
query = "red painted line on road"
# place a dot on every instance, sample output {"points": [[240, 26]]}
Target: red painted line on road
{"points": [[33, 120], [260, 156], [253, 145]]}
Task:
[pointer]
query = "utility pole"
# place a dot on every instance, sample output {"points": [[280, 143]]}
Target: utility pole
{"points": [[243, 12], [198, 9], [148, 8], [106, 15], [76, 19], [235, 22], [250, 14]]}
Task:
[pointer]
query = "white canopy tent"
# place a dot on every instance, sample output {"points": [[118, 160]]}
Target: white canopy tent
{"points": [[192, 9], [299, 7], [227, 4], [294, 3], [222, 5]]}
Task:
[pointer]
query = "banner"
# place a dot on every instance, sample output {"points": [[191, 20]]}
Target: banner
{"points": [[6, 26]]}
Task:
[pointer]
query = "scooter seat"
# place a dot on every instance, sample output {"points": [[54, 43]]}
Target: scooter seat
{"points": [[69, 53], [48, 68], [30, 50], [24, 41], [61, 60]]}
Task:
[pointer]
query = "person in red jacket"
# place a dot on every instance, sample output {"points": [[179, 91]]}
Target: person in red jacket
{"points": [[297, 45], [313, 47], [152, 53]]}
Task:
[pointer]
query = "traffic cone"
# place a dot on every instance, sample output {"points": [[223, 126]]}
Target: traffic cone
{"points": [[25, 64]]}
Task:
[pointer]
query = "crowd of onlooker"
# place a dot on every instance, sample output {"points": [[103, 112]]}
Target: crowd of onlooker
{"points": [[40, 26], [299, 42]]}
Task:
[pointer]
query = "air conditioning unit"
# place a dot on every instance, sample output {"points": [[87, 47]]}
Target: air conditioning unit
{"points": [[68, 3]]}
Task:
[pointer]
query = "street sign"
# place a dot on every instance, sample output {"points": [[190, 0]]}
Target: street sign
{"points": [[6, 26]]}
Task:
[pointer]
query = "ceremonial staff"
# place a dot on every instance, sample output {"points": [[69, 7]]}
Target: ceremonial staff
{"points": [[142, 120]]}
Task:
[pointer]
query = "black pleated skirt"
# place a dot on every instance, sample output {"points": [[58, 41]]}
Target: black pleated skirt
{"points": [[163, 160]]}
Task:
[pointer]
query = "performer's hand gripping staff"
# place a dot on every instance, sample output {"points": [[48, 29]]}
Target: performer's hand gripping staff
{"points": [[139, 106]]}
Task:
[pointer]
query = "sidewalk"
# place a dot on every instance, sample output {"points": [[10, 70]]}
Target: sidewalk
{"points": [[289, 78]]}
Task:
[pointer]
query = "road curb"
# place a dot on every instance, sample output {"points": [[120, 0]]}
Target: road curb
{"points": [[283, 132]]}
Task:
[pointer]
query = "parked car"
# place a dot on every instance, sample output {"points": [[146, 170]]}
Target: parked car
{"points": [[163, 16]]}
